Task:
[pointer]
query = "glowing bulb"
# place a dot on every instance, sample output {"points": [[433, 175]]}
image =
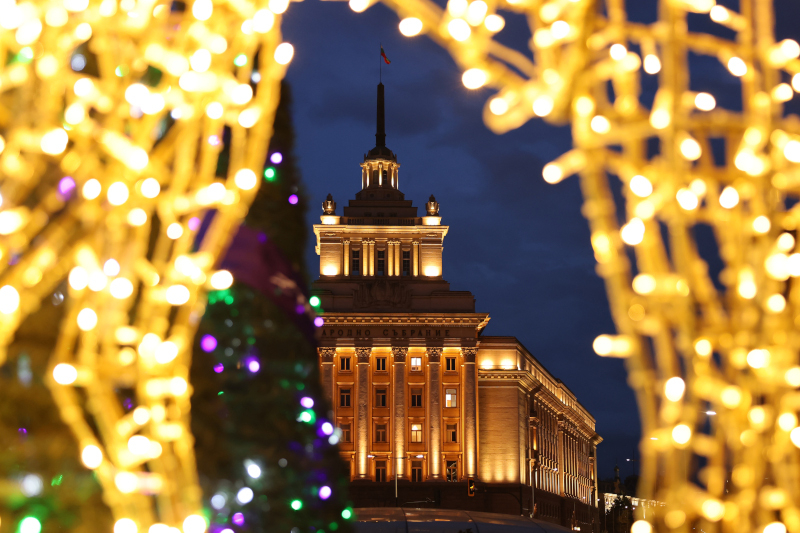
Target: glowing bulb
{"points": [[687, 199], [641, 526], [652, 65], [245, 495], [498, 106], [410, 26], [150, 188], [761, 225], [74, 114], [221, 280], [674, 389], [494, 23], [476, 12], [729, 198], [758, 358], [111, 267], [552, 173], [245, 179], [177, 295], [776, 303], [125, 525], [731, 397], [474, 78], [54, 141], [785, 242], [705, 102], [117, 193], [202, 9], [459, 29], [263, 20], [65, 374], [690, 149], [141, 415], [543, 105], [200, 60], [78, 278], [791, 151], [254, 471], [91, 456], [632, 233], [87, 319], [242, 94], [284, 53], [174, 231], [139, 445], [712, 509], [641, 186], [737, 66], [600, 124], [91, 189], [457, 8], [9, 300], [166, 352], [121, 288], [214, 110], [618, 52], [644, 284], [681, 433], [559, 29]]}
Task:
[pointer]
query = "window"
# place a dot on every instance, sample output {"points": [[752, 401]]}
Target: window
{"points": [[416, 397], [380, 471], [345, 432], [416, 364], [451, 474], [380, 432], [450, 398], [355, 269], [406, 263], [381, 263], [416, 432], [344, 364], [450, 363], [380, 397], [451, 435], [416, 471], [380, 364], [344, 397]]}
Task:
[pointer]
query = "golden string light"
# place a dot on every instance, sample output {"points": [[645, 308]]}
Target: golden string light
{"points": [[709, 333], [113, 119]]}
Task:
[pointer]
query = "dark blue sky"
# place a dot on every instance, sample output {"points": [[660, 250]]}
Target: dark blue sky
{"points": [[520, 245]]}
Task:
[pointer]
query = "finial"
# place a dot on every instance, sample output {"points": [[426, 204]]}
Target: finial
{"points": [[432, 206], [380, 135], [329, 206]]}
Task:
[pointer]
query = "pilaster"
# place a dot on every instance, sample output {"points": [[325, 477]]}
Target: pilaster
{"points": [[415, 259], [363, 422], [372, 257], [390, 257], [561, 464], [435, 414], [326, 358], [470, 413], [399, 361], [346, 257], [397, 263]]}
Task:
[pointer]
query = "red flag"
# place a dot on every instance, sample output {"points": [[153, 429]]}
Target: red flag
{"points": [[383, 55]]}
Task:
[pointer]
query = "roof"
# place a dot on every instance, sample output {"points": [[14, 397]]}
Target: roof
{"points": [[407, 520]]}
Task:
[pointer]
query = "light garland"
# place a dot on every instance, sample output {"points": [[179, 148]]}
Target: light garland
{"points": [[712, 358], [111, 120]]}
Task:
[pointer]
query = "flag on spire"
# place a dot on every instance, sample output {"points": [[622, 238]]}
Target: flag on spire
{"points": [[383, 55]]}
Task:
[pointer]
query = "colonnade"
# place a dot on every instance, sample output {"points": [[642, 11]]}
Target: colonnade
{"points": [[393, 256]]}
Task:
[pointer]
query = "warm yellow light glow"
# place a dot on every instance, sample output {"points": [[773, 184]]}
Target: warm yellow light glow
{"points": [[330, 270], [498, 106], [687, 199], [139, 445], [87, 319], [641, 526], [65, 374], [121, 288], [785, 242], [737, 66], [776, 303], [652, 65], [543, 105], [200, 60], [9, 300], [729, 198], [410, 26], [758, 358], [214, 110], [166, 352], [459, 29], [644, 284], [174, 230], [284, 53], [674, 389], [600, 124], [705, 102], [641, 186], [137, 217], [91, 189], [125, 525], [618, 52], [681, 434], [787, 421], [474, 78], [633, 232], [245, 179], [761, 225], [713, 509], [221, 280], [54, 141], [703, 347], [177, 295], [194, 524], [731, 397], [202, 9], [91, 456], [690, 149], [494, 23], [432, 271]]}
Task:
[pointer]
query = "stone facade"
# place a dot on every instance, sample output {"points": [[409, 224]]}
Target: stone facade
{"points": [[419, 394]]}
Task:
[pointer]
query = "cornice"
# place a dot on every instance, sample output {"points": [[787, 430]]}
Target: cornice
{"points": [[478, 320]]}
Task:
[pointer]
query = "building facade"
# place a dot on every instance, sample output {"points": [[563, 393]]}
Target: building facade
{"points": [[427, 405]]}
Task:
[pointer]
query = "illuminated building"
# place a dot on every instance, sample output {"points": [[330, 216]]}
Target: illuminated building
{"points": [[418, 392]]}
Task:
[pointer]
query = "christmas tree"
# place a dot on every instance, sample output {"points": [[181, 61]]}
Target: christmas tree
{"points": [[266, 453]]}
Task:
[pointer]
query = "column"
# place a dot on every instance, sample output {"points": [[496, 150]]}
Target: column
{"points": [[364, 260], [470, 413], [561, 463], [594, 475], [434, 416], [415, 259], [372, 257], [390, 257], [362, 413], [399, 361], [363, 178], [397, 264], [346, 257], [326, 358]]}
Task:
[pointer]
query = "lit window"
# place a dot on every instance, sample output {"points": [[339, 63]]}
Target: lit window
{"points": [[416, 397], [380, 471], [451, 435], [416, 432], [345, 432], [450, 364], [344, 397], [450, 396], [451, 474], [380, 432], [380, 397], [344, 364], [416, 471], [416, 364], [380, 364]]}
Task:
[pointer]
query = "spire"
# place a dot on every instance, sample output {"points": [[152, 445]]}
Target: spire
{"points": [[380, 135]]}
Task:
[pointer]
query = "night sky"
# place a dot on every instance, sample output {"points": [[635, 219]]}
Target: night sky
{"points": [[520, 245]]}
